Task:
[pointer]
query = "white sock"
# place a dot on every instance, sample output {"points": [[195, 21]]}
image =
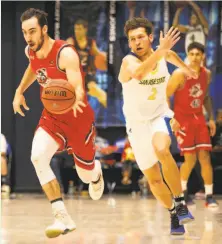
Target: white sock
{"points": [[184, 185], [96, 171], [58, 205], [208, 189]]}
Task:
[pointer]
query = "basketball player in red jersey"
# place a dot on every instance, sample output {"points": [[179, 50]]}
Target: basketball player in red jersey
{"points": [[87, 48], [55, 59], [190, 95]]}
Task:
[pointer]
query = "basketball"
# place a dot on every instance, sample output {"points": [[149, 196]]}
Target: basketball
{"points": [[58, 96], [101, 61]]}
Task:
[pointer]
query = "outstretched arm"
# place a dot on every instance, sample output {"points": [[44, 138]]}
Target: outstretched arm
{"points": [[201, 16], [181, 28], [132, 67], [27, 80], [174, 59]]}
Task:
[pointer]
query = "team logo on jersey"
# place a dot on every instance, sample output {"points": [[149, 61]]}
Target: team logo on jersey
{"points": [[42, 76], [153, 81], [195, 103], [195, 90]]}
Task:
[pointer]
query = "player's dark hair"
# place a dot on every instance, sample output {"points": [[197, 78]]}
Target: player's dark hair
{"points": [[82, 22], [196, 45], [39, 14], [138, 22]]}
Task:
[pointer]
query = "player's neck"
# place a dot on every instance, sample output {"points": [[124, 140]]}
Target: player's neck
{"points": [[46, 48], [145, 56], [81, 39], [196, 68]]}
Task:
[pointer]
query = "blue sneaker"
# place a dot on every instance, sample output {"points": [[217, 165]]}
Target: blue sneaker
{"points": [[176, 228], [211, 202], [183, 214]]}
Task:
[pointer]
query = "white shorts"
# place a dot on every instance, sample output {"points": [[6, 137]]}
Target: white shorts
{"points": [[140, 134]]}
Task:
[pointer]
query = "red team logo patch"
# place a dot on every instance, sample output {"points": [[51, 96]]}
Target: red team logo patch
{"points": [[42, 76]]}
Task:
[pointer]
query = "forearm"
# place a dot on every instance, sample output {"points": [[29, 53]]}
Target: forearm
{"points": [[169, 102], [209, 108], [148, 65], [199, 13], [176, 18], [27, 80], [174, 59]]}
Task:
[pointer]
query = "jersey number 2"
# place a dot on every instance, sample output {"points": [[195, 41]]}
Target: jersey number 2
{"points": [[153, 95]]}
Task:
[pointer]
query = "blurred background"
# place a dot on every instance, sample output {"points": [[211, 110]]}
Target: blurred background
{"points": [[102, 23]]}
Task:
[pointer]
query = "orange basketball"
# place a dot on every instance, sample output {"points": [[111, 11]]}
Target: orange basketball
{"points": [[101, 61], [58, 96]]}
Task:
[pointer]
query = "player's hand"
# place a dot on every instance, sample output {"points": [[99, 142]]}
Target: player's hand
{"points": [[170, 39], [212, 126], [77, 107], [19, 100], [175, 126]]}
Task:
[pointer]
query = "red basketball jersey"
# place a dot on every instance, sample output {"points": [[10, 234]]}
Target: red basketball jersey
{"points": [[47, 68], [190, 98]]}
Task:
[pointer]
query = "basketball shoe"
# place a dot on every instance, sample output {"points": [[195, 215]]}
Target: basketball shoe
{"points": [[62, 224], [176, 228], [183, 214], [96, 188]]}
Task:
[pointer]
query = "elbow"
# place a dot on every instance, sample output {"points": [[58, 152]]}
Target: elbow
{"points": [[137, 74]]}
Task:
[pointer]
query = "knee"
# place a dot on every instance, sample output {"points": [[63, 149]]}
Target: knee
{"points": [[162, 152], [84, 175], [154, 183], [204, 156], [37, 157]]}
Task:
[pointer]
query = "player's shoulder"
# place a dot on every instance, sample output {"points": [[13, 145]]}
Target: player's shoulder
{"points": [[179, 73], [130, 57], [27, 51], [68, 51], [208, 73]]}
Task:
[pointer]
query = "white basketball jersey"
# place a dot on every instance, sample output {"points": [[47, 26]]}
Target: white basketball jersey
{"points": [[146, 99], [195, 34]]}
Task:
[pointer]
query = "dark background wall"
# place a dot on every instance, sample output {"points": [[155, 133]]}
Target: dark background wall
{"points": [[18, 130]]}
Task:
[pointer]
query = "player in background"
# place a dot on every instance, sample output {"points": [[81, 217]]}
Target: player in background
{"points": [[190, 95]]}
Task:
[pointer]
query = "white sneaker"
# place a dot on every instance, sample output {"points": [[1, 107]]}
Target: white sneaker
{"points": [[5, 192], [62, 225], [96, 188]]}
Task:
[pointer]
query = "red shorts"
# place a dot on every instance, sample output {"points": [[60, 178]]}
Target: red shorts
{"points": [[194, 134], [77, 135]]}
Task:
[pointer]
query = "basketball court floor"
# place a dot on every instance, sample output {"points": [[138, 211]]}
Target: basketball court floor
{"points": [[116, 219]]}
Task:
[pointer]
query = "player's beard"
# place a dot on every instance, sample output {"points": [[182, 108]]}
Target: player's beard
{"points": [[40, 43]]}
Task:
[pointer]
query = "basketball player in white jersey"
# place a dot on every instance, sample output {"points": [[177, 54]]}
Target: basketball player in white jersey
{"points": [[197, 30], [144, 77]]}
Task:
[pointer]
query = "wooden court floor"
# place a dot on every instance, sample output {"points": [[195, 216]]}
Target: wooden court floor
{"points": [[118, 219]]}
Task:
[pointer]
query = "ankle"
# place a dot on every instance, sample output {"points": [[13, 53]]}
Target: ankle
{"points": [[58, 204], [179, 200]]}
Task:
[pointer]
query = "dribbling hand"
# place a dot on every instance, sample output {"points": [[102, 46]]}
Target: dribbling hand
{"points": [[19, 100]]}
